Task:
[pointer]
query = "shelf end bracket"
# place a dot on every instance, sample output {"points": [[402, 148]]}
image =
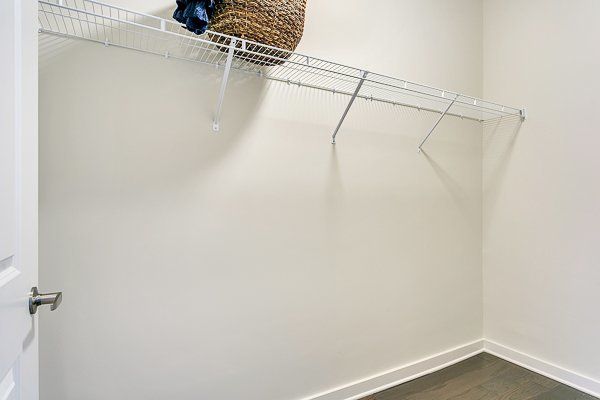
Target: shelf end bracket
{"points": [[523, 114], [217, 120], [437, 123], [354, 95]]}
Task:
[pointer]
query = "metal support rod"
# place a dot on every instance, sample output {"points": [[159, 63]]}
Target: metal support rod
{"points": [[228, 63], [339, 125], [437, 122]]}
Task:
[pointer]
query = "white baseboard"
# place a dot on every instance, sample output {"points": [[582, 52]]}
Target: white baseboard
{"points": [[562, 375], [387, 379]]}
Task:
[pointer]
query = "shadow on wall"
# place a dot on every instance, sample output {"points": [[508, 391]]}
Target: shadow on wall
{"points": [[334, 194], [499, 137], [166, 13], [50, 47], [136, 112], [452, 186]]}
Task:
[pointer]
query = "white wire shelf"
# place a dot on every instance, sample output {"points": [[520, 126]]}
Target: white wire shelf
{"points": [[115, 26]]}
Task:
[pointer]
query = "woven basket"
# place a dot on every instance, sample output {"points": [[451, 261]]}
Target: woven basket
{"points": [[277, 23]]}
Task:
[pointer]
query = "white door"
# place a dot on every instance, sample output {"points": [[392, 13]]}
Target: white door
{"points": [[18, 198]]}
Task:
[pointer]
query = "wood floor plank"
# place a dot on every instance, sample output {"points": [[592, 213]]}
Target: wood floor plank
{"points": [[563, 392], [482, 377]]}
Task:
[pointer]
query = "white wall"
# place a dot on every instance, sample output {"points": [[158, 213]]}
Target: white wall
{"points": [[541, 190], [261, 263]]}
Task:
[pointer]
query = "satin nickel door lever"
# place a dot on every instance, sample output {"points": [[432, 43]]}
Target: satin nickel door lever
{"points": [[37, 299]]}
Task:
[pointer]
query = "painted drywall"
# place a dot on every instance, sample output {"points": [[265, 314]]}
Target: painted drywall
{"points": [[541, 191], [261, 263]]}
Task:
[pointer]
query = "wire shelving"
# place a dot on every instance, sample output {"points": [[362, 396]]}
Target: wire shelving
{"points": [[115, 26]]}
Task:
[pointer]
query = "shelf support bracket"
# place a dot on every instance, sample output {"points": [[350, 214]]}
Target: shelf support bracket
{"points": [[437, 123], [523, 114], [217, 120], [354, 95]]}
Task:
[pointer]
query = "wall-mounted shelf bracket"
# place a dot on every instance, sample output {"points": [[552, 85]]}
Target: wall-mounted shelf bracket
{"points": [[354, 95], [226, 71], [437, 122], [523, 113]]}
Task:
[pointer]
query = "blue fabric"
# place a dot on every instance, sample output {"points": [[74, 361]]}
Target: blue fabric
{"points": [[194, 14]]}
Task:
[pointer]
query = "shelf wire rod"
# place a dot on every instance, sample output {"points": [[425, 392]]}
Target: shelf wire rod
{"points": [[70, 18], [55, 20], [228, 63], [288, 64], [319, 77], [288, 73], [389, 80], [195, 51], [204, 50], [393, 88], [82, 24], [103, 24], [300, 72], [437, 123], [95, 22], [339, 125], [45, 16], [150, 40], [64, 22]]}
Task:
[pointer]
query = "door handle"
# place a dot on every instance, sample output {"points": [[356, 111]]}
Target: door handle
{"points": [[37, 299]]}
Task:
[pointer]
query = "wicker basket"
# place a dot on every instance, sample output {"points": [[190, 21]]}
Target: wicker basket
{"points": [[277, 23]]}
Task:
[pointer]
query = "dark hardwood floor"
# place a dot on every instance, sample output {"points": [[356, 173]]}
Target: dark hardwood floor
{"points": [[482, 377]]}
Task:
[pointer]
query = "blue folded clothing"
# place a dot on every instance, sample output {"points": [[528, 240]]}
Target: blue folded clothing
{"points": [[194, 14]]}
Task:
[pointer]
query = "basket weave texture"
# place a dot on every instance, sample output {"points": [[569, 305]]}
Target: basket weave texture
{"points": [[277, 23]]}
